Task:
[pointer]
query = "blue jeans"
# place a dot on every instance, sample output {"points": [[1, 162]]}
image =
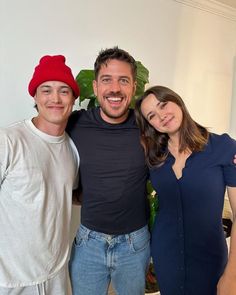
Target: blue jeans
{"points": [[98, 259]]}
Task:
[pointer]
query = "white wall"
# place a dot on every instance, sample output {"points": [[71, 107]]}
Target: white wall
{"points": [[232, 130], [187, 48]]}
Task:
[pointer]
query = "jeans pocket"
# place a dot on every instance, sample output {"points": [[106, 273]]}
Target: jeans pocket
{"points": [[139, 241], [79, 240]]}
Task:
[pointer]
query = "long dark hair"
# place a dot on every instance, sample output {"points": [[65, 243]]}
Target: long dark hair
{"points": [[193, 136]]}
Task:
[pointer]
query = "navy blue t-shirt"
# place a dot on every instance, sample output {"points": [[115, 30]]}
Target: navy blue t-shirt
{"points": [[113, 173]]}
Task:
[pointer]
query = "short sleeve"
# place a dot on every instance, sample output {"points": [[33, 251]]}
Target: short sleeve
{"points": [[229, 168], [77, 162], [2, 155]]}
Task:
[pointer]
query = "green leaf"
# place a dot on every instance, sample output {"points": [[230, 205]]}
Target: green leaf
{"points": [[85, 81], [142, 78], [149, 187], [93, 102]]}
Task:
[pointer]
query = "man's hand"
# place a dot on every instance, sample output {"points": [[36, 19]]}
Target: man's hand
{"points": [[77, 197]]}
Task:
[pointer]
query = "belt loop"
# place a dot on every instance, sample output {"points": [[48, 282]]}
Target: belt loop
{"points": [[128, 237], [85, 232]]}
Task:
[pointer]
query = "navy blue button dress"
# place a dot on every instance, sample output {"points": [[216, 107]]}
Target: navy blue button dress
{"points": [[188, 244]]}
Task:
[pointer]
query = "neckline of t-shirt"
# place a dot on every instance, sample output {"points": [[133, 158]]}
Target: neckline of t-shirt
{"points": [[43, 135], [113, 125]]}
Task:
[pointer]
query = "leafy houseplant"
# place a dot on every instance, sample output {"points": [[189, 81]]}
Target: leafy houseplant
{"points": [[85, 81]]}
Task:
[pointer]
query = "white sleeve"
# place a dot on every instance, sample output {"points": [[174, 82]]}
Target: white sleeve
{"points": [[77, 161], [3, 156]]}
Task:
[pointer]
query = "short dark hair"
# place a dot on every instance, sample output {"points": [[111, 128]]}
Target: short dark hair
{"points": [[114, 53]]}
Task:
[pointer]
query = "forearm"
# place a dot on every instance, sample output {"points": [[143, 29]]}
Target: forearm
{"points": [[230, 269], [227, 282]]}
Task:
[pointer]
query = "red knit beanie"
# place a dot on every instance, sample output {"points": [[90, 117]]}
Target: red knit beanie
{"points": [[53, 68]]}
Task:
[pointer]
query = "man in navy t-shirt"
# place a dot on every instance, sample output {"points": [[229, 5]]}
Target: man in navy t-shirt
{"points": [[112, 243]]}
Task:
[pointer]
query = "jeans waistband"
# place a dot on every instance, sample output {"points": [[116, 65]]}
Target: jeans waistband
{"points": [[86, 233]]}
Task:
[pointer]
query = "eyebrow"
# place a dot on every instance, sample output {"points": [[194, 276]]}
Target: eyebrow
{"points": [[65, 86], [45, 85], [102, 76], [49, 86], [120, 77], [151, 111], [127, 77]]}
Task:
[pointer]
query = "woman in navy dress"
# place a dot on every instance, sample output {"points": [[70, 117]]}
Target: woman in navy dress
{"points": [[190, 168]]}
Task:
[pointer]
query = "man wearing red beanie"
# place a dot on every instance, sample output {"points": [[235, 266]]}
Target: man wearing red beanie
{"points": [[38, 171]]}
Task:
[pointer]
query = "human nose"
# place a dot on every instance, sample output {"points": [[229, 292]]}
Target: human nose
{"points": [[115, 86], [56, 97], [162, 115]]}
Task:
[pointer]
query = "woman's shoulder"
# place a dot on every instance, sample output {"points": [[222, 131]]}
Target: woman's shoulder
{"points": [[222, 140], [224, 137]]}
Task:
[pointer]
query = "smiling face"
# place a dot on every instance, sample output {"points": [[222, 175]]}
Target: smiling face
{"points": [[54, 102], [165, 117], [114, 88]]}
